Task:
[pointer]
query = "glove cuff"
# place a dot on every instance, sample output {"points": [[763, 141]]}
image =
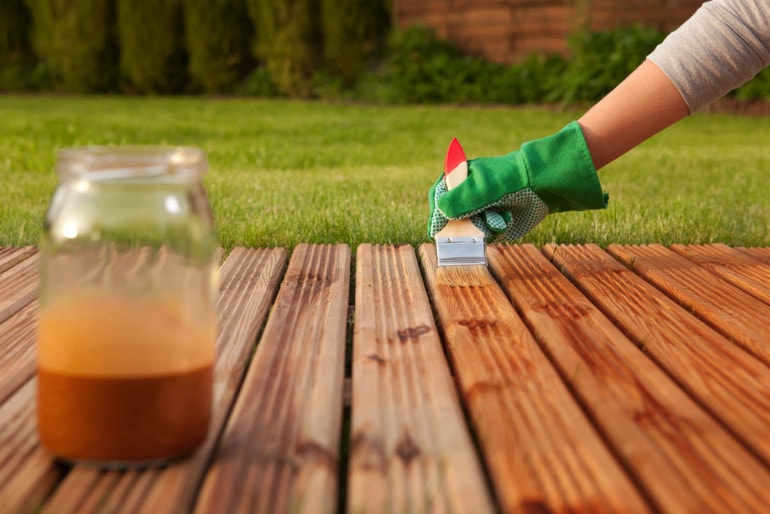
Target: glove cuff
{"points": [[562, 173]]}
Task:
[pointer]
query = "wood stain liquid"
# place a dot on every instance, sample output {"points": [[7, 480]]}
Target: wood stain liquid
{"points": [[123, 383], [123, 419]]}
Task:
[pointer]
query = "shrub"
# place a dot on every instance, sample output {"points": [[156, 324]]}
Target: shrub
{"points": [[75, 39], [419, 68], [601, 60], [353, 30], [288, 41], [757, 88], [258, 83], [152, 52], [16, 57], [531, 81], [218, 40], [422, 69]]}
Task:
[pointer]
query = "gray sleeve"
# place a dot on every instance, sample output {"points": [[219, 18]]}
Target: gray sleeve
{"points": [[722, 46]]}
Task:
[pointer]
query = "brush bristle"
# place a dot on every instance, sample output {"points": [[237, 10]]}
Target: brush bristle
{"points": [[462, 276]]}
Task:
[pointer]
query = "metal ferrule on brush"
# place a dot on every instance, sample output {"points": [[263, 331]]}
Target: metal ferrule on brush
{"points": [[461, 251]]}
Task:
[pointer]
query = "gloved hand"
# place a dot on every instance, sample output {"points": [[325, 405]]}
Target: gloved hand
{"points": [[508, 196]]}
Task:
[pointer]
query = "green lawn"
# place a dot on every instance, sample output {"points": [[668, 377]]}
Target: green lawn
{"points": [[284, 172]]}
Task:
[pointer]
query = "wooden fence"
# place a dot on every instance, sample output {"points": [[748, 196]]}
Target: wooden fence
{"points": [[507, 30]]}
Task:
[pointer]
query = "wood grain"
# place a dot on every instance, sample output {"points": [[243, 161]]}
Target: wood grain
{"points": [[17, 349], [10, 256], [761, 254], [735, 313], [249, 280], [280, 450], [741, 270], [612, 388], [541, 451], [18, 282], [411, 450], [730, 383], [651, 424], [27, 472]]}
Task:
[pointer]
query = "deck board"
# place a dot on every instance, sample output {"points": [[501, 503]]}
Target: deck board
{"points": [[10, 256], [542, 452], [735, 313], [17, 349], [729, 382], [411, 450], [564, 379], [291, 397], [649, 421], [18, 282], [735, 267], [248, 281]]}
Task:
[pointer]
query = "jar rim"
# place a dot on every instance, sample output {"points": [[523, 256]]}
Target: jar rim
{"points": [[126, 162]]}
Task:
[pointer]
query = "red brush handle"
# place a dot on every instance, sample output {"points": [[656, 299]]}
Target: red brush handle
{"points": [[455, 164]]}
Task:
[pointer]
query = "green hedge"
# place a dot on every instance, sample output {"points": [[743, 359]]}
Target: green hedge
{"points": [[353, 31], [218, 38], [75, 40], [17, 59], [288, 41], [153, 56], [334, 49]]}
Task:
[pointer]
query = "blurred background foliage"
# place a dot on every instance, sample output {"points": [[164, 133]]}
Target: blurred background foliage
{"points": [[329, 49]]}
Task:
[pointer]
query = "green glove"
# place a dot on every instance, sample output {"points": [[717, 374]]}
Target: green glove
{"points": [[508, 196]]}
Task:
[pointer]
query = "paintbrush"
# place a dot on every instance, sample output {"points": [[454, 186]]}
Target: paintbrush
{"points": [[460, 248]]}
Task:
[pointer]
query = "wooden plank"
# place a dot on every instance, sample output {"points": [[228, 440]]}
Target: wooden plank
{"points": [[18, 284], [10, 256], [732, 311], [650, 422], [280, 450], [27, 473], [736, 267], [761, 254], [730, 383], [17, 350], [542, 453], [249, 279], [410, 448]]}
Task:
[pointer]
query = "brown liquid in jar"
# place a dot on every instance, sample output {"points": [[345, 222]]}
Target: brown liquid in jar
{"points": [[122, 418]]}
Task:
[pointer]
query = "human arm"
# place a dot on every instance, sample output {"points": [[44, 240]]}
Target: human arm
{"points": [[719, 48], [642, 105], [722, 46]]}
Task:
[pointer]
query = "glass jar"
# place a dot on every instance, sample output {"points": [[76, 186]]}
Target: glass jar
{"points": [[127, 320]]}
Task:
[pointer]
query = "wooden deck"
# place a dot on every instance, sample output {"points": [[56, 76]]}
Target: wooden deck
{"points": [[569, 379]]}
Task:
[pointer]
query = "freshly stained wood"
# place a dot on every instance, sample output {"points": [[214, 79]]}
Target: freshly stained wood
{"points": [[542, 453], [736, 267], [761, 254], [609, 386], [410, 448], [729, 382], [735, 313], [279, 452], [649, 421], [18, 283], [249, 279]]}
